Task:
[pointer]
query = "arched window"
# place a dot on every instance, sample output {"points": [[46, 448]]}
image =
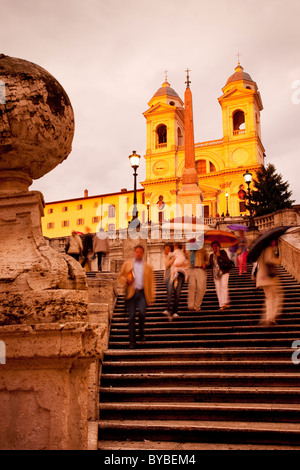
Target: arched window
{"points": [[161, 136], [212, 167], [238, 122], [201, 167], [179, 137]]}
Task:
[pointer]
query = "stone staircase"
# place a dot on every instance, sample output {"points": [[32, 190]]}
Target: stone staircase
{"points": [[207, 380]]}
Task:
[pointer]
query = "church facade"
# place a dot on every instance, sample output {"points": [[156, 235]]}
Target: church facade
{"points": [[220, 164]]}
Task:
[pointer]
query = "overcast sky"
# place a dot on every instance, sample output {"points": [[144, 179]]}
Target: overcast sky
{"points": [[110, 57]]}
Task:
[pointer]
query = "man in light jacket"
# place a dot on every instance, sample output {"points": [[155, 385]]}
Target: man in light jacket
{"points": [[138, 278]]}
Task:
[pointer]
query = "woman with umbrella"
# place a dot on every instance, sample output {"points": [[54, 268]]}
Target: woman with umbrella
{"points": [[220, 263], [264, 250]]}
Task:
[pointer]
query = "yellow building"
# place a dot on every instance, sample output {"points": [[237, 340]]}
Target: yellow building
{"points": [[107, 211], [220, 164]]}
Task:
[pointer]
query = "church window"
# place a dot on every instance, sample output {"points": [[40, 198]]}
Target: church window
{"points": [[238, 122], [172, 103], [65, 223], [50, 225], [161, 136], [50, 211], [111, 211], [212, 167], [201, 167], [179, 137], [80, 221], [242, 206], [65, 209]]}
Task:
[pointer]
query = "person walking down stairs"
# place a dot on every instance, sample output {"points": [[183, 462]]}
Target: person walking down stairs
{"points": [[268, 280], [138, 279], [221, 266]]}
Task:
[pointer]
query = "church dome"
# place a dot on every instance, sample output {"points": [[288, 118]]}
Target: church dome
{"points": [[239, 75], [166, 90]]}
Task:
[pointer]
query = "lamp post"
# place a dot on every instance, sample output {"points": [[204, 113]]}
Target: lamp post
{"points": [[135, 163], [227, 195], [148, 209], [248, 179]]}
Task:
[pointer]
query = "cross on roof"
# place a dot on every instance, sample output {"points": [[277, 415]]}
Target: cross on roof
{"points": [[187, 78], [238, 56], [166, 75]]}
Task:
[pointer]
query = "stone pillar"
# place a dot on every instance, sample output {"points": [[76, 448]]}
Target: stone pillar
{"points": [[44, 316]]}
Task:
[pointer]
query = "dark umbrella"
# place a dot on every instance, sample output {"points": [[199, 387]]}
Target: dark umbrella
{"points": [[263, 241]]}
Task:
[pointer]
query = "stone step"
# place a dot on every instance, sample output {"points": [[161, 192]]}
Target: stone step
{"points": [[205, 379], [200, 354], [191, 394], [176, 328], [181, 447], [221, 343], [175, 366], [202, 411], [183, 324], [201, 431]]}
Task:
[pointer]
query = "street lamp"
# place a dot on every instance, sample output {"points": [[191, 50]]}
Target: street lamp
{"points": [[148, 209], [248, 179], [135, 163], [227, 195]]}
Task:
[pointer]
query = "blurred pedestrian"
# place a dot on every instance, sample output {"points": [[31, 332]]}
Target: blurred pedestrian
{"points": [[242, 252], [221, 266], [87, 251], [168, 260], [138, 278], [179, 274], [197, 276], [75, 246], [267, 278], [100, 247]]}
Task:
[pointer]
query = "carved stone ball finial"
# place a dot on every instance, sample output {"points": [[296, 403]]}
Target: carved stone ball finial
{"points": [[37, 284], [36, 123]]}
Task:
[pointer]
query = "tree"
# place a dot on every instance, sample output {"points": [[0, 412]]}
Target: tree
{"points": [[270, 192]]}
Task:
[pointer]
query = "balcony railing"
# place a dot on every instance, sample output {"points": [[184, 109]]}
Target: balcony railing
{"points": [[239, 132]]}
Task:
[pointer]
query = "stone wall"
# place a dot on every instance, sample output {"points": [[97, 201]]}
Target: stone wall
{"points": [[289, 246]]}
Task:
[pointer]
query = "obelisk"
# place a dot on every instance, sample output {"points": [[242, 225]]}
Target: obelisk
{"points": [[190, 195]]}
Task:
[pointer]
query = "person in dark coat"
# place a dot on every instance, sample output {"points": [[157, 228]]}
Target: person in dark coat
{"points": [[221, 265], [87, 248]]}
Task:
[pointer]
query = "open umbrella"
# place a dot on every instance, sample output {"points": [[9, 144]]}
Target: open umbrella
{"points": [[226, 239], [263, 241], [237, 227]]}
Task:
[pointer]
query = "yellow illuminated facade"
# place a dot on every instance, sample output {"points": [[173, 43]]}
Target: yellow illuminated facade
{"points": [[220, 164], [107, 211]]}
